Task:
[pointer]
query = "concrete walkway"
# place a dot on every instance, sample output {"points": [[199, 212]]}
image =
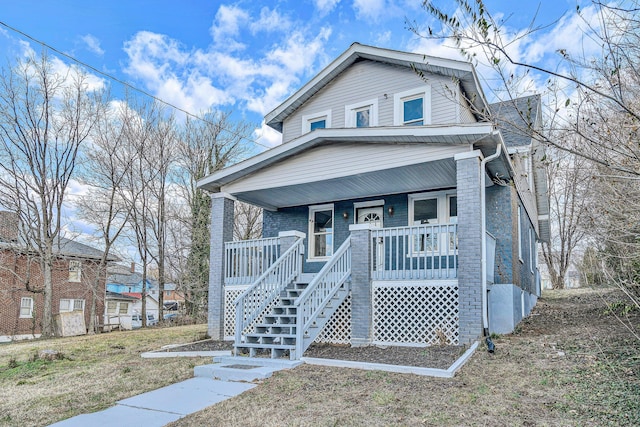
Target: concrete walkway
{"points": [[159, 407], [212, 384]]}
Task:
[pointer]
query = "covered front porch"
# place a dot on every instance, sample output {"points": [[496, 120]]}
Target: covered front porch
{"points": [[411, 278]]}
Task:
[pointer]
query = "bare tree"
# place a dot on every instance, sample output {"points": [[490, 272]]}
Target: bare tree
{"points": [[205, 146], [601, 106], [569, 179], [247, 222], [45, 117], [105, 169]]}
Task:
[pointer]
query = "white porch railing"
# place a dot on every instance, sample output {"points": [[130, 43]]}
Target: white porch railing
{"points": [[246, 260], [320, 291], [417, 252], [252, 302]]}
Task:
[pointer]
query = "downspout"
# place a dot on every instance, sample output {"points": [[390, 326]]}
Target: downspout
{"points": [[483, 213]]}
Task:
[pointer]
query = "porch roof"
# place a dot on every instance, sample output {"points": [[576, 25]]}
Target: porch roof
{"points": [[416, 173]]}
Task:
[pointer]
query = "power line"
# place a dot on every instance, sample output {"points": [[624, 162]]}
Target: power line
{"points": [[129, 85]]}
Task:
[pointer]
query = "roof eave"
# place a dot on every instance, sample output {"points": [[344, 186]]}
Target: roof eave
{"points": [[465, 72], [213, 182]]}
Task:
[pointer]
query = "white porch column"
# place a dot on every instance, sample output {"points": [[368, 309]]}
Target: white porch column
{"points": [[222, 205]]}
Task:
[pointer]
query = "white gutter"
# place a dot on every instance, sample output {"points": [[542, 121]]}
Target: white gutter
{"points": [[483, 213]]}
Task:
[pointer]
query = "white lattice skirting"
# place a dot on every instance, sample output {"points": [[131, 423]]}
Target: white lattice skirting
{"points": [[338, 328], [231, 293], [415, 312], [336, 331]]}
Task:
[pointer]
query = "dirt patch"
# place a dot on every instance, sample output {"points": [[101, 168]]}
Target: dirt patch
{"points": [[204, 345], [571, 363], [438, 357]]}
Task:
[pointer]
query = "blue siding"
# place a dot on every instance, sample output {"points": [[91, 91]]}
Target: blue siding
{"points": [[502, 205], [499, 217], [502, 216], [297, 218]]}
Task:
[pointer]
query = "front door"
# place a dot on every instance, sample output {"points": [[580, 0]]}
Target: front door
{"points": [[373, 216], [370, 216]]}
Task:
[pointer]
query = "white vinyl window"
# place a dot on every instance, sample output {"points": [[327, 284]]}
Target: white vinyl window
{"points": [[532, 248], [519, 219], [320, 120], [75, 271], [123, 308], [26, 307], [412, 107], [112, 307], [320, 231], [361, 115], [71, 305], [431, 209]]}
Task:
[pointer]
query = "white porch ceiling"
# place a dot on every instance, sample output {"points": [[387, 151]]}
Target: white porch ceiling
{"points": [[419, 177]]}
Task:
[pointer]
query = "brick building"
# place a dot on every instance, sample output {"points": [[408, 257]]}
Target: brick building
{"points": [[21, 282]]}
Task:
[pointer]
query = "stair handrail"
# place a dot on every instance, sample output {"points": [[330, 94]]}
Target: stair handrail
{"points": [[320, 290], [267, 287]]}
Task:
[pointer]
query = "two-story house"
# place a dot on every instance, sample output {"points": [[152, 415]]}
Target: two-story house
{"points": [[75, 269], [400, 209]]}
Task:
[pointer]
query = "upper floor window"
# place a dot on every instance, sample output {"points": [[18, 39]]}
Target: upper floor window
{"points": [[362, 114], [26, 307], [411, 108], [319, 120], [71, 305], [320, 231], [75, 271]]}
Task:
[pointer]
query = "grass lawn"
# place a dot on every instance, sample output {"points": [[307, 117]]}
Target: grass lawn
{"points": [[95, 372], [570, 363]]}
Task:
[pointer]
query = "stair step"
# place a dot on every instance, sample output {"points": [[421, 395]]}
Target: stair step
{"points": [[272, 319], [274, 328], [266, 346], [261, 335]]}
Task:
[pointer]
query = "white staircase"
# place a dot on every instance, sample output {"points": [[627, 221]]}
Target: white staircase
{"points": [[296, 316]]}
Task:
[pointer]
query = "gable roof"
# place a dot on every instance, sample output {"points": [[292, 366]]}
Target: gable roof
{"points": [[515, 119], [464, 71]]}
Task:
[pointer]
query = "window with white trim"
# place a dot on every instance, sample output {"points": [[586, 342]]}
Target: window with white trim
{"points": [[361, 115], [26, 307], [520, 234], [75, 271], [532, 248], [123, 308], [320, 231], [311, 122], [432, 208], [112, 307], [411, 108], [67, 305]]}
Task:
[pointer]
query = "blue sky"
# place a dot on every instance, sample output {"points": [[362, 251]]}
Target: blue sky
{"points": [[245, 56]]}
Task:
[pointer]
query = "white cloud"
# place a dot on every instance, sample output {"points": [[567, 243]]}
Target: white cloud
{"points": [[383, 38], [227, 25], [370, 9], [93, 44], [223, 77], [270, 21], [325, 6]]}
